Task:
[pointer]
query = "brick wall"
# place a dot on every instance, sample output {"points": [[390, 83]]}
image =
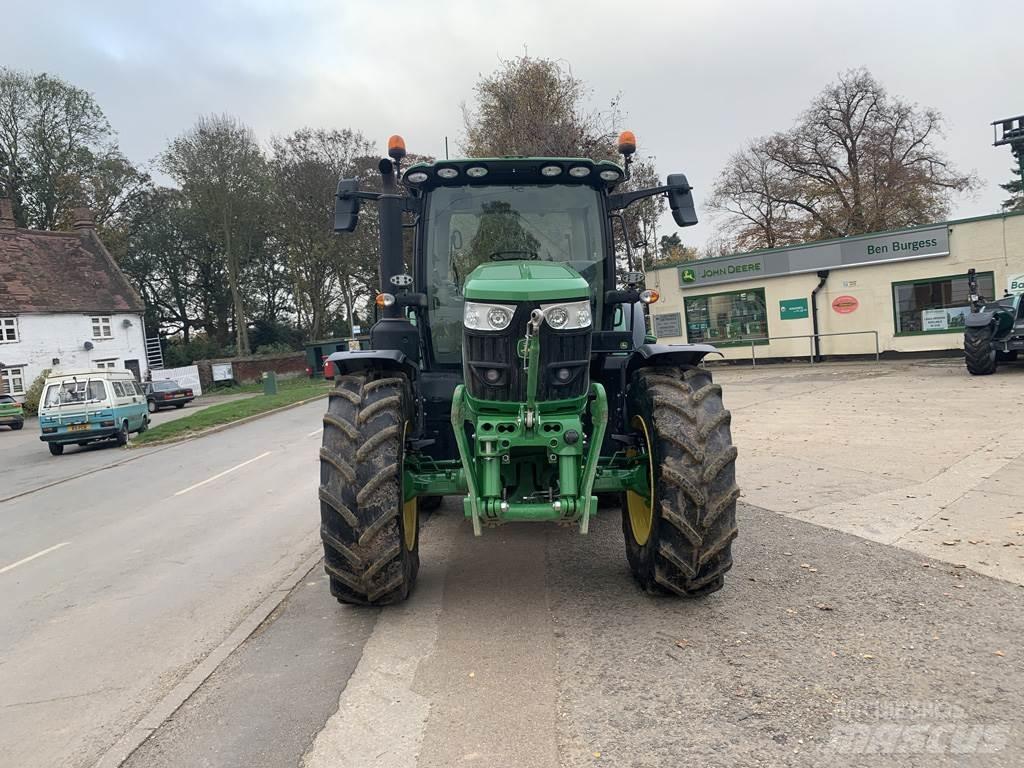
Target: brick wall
{"points": [[249, 369]]}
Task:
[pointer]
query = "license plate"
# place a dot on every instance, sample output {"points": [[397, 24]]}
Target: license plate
{"points": [[78, 428]]}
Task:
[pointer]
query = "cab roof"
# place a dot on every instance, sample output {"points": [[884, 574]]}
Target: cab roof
{"points": [[513, 170], [91, 373]]}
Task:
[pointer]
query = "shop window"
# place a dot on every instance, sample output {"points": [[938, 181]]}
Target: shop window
{"points": [[8, 329], [12, 381], [936, 305], [726, 318]]}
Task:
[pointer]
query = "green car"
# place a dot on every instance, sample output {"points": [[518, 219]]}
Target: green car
{"points": [[11, 412]]}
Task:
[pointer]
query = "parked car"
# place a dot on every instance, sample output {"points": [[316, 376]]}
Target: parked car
{"points": [[164, 394], [11, 412], [88, 406]]}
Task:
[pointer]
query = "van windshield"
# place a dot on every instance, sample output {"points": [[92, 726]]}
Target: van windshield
{"points": [[74, 393]]}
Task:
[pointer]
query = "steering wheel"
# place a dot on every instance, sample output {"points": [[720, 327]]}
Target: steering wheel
{"points": [[509, 255]]}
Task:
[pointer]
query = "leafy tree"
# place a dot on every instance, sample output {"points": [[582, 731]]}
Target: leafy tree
{"points": [[223, 176], [57, 151], [671, 251], [858, 160], [1016, 189]]}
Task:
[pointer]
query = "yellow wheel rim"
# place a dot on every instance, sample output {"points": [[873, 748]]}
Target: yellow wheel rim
{"points": [[410, 509], [410, 512], [641, 510]]}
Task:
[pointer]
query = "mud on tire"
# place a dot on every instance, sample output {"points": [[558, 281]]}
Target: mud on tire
{"points": [[362, 525], [693, 523], [978, 353]]}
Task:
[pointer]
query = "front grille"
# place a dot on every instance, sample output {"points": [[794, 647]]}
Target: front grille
{"points": [[559, 350]]}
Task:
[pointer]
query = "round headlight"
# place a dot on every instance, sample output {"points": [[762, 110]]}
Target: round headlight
{"points": [[472, 318], [579, 171], [447, 173], [557, 317], [416, 177], [476, 172], [583, 318], [551, 170], [498, 318], [610, 175], [563, 374], [492, 375]]}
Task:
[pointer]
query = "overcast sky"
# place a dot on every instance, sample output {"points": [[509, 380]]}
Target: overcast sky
{"points": [[697, 78]]}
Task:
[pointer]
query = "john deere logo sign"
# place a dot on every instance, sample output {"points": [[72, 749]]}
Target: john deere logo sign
{"points": [[689, 276]]}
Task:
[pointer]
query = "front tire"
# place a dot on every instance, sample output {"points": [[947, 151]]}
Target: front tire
{"points": [[370, 536], [978, 352], [679, 541], [56, 449]]}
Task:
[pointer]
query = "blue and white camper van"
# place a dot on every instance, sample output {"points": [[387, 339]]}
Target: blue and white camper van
{"points": [[84, 407]]}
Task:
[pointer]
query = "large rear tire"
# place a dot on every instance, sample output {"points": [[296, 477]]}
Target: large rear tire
{"points": [[679, 541], [370, 537], [978, 352]]}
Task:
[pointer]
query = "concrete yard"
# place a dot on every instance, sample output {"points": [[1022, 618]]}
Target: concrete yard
{"points": [[178, 622]]}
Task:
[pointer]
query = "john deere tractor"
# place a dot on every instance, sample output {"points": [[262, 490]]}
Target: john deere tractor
{"points": [[510, 367], [994, 330]]}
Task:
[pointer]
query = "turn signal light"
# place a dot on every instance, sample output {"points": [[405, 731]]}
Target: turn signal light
{"points": [[627, 143], [384, 300], [649, 296], [396, 147]]}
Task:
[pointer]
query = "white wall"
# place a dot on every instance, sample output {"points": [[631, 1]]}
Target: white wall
{"points": [[43, 337]]}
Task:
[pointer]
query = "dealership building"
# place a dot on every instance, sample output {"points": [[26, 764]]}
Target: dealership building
{"points": [[908, 286]]}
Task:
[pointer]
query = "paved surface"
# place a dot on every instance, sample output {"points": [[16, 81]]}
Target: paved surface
{"points": [[530, 646], [156, 561], [26, 464], [919, 454]]}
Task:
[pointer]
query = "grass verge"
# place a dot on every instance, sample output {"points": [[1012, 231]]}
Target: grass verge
{"points": [[225, 413], [292, 382]]}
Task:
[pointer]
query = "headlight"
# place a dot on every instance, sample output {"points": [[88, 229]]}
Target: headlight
{"points": [[488, 317], [569, 316]]}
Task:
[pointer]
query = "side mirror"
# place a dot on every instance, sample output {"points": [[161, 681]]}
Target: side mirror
{"points": [[346, 206], [680, 199]]}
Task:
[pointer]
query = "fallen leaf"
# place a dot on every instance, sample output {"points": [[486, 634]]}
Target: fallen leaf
{"points": [[1000, 653], [805, 565], [472, 674], [824, 607], [949, 543], [868, 656], [813, 570], [959, 565], [597, 754]]}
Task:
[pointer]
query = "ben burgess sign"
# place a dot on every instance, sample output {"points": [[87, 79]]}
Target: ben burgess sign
{"points": [[922, 243]]}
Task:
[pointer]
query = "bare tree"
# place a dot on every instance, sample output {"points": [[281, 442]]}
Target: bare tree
{"points": [[222, 174], [536, 107], [857, 160]]}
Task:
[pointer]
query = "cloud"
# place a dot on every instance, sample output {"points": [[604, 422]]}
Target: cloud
{"points": [[697, 79]]}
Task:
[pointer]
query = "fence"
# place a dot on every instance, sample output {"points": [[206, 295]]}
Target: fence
{"points": [[186, 377], [811, 337]]}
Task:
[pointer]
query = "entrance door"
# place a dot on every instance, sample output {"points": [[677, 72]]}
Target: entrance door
{"points": [[133, 366]]}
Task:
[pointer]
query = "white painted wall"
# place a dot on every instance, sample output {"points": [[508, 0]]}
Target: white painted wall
{"points": [[42, 337]]}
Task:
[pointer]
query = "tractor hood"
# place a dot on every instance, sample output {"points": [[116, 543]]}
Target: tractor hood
{"points": [[515, 281]]}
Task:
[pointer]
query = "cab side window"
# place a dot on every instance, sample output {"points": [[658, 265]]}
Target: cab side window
{"points": [[118, 389]]}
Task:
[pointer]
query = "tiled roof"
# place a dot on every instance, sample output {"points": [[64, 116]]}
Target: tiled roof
{"points": [[61, 272]]}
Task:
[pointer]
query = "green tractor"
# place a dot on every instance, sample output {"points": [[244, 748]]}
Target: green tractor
{"points": [[994, 330], [509, 368]]}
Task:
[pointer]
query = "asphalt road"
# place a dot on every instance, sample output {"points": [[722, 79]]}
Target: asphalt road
{"points": [[527, 647], [115, 585]]}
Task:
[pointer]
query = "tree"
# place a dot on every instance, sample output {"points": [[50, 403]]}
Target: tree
{"points": [[325, 270], [1016, 189], [858, 160], [58, 151], [536, 107], [223, 177], [671, 252]]}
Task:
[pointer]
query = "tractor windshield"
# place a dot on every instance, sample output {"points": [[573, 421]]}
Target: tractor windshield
{"points": [[468, 226]]}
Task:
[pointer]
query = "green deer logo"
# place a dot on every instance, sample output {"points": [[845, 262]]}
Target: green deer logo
{"points": [[689, 276]]}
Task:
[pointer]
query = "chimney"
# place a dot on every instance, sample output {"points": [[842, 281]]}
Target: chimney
{"points": [[82, 220], [6, 214]]}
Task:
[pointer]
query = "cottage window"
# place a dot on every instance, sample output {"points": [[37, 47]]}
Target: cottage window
{"points": [[8, 329], [101, 328], [12, 381]]}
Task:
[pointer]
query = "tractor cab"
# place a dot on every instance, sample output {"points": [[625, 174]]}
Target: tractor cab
{"points": [[511, 367]]}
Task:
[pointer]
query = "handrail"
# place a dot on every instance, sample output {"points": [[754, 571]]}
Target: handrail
{"points": [[811, 337]]}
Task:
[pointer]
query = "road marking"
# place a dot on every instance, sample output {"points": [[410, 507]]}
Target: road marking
{"points": [[46, 551], [315, 432], [221, 474]]}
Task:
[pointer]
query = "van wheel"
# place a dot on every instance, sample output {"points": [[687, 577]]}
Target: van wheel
{"points": [[56, 448], [145, 425], [122, 434]]}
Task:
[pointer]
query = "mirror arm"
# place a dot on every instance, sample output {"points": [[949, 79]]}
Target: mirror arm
{"points": [[620, 200]]}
